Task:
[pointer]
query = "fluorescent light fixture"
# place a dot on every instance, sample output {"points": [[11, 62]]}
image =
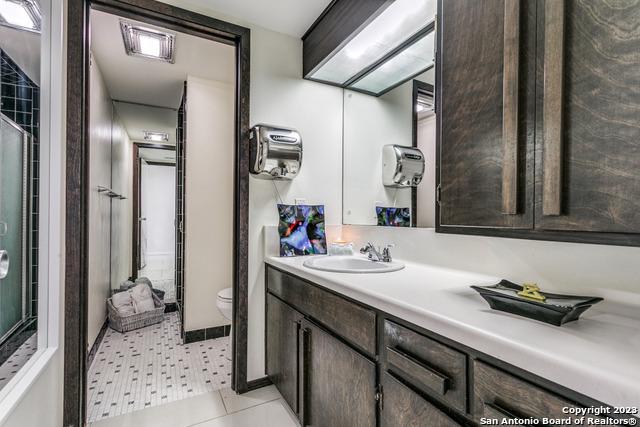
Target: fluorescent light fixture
{"points": [[156, 136], [408, 63], [147, 42], [21, 14], [396, 24]]}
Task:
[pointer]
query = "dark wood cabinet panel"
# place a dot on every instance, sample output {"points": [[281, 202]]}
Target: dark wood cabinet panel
{"points": [[354, 322], [471, 59], [283, 324], [339, 384], [405, 408], [600, 160], [428, 365], [503, 396]]}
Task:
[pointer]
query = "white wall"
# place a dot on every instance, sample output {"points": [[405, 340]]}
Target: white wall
{"points": [[100, 125], [121, 210], [158, 184], [279, 96], [110, 220], [208, 199], [369, 124], [426, 191]]}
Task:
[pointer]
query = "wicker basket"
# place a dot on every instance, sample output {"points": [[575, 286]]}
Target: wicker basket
{"points": [[138, 320]]}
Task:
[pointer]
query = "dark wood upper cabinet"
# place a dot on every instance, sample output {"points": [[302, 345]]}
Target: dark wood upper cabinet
{"points": [[482, 47], [599, 160], [574, 174]]}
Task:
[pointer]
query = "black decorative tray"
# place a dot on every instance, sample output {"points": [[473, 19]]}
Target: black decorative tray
{"points": [[556, 309]]}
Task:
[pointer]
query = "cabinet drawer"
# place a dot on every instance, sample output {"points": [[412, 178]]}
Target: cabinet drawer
{"points": [[352, 321], [499, 395], [402, 407], [428, 365]]}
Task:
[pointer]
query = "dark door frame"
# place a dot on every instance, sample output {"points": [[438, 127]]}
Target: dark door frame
{"points": [[77, 181], [137, 186]]}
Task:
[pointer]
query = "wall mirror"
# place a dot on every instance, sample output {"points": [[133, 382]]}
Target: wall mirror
{"points": [[389, 143]]}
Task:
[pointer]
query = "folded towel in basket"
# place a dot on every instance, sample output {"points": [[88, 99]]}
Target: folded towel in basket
{"points": [[142, 299], [123, 302]]}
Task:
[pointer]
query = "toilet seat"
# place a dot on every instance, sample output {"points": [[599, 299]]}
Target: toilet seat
{"points": [[225, 295]]}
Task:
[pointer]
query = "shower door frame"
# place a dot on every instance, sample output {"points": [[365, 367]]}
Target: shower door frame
{"points": [[77, 183], [26, 226]]}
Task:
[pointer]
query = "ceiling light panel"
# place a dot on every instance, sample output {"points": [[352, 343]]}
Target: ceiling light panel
{"points": [[147, 42], [410, 62], [21, 14], [401, 20], [156, 136]]}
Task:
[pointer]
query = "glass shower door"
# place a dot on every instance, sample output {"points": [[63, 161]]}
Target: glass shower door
{"points": [[13, 206]]}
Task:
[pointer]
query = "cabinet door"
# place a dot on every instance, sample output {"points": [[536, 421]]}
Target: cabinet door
{"points": [[338, 383], [588, 133], [403, 407], [283, 324], [486, 105]]}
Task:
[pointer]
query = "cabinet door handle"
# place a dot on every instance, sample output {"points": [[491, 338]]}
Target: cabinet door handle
{"points": [[552, 107], [510, 107], [493, 410], [412, 366], [305, 339]]}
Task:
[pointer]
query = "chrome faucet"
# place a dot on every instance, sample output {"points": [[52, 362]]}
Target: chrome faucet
{"points": [[374, 254]]}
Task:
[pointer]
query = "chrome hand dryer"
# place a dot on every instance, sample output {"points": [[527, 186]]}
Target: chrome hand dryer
{"points": [[275, 152]]}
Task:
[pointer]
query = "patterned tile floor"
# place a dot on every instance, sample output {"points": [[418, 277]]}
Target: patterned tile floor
{"points": [[150, 367], [17, 360]]}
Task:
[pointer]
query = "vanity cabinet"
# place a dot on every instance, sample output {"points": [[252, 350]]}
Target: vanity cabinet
{"points": [[403, 407], [325, 381], [413, 378], [538, 118], [282, 337]]}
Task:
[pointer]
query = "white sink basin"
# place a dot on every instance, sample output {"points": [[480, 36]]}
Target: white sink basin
{"points": [[351, 264]]}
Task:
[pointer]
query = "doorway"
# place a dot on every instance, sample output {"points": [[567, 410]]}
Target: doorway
{"points": [[161, 18]]}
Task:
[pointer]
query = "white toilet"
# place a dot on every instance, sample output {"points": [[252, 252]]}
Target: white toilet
{"points": [[225, 305]]}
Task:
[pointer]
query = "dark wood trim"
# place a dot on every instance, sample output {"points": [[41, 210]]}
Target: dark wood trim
{"points": [[96, 343], [173, 165], [76, 215], [258, 383], [418, 87], [135, 211], [155, 146], [77, 180], [337, 25]]}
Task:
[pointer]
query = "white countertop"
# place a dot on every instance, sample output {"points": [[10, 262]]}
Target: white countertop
{"points": [[598, 355]]}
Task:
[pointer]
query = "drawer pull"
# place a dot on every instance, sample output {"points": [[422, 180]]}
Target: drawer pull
{"points": [[510, 107], [410, 365], [552, 107], [493, 410]]}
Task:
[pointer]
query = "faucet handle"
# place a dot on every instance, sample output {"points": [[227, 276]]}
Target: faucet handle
{"points": [[386, 252]]}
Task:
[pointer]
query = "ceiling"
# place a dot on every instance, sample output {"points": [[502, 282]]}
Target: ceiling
{"points": [[156, 155], [292, 17], [154, 82], [139, 118]]}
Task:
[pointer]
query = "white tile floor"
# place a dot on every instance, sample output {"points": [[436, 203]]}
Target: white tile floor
{"points": [[259, 408], [17, 360], [149, 367]]}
